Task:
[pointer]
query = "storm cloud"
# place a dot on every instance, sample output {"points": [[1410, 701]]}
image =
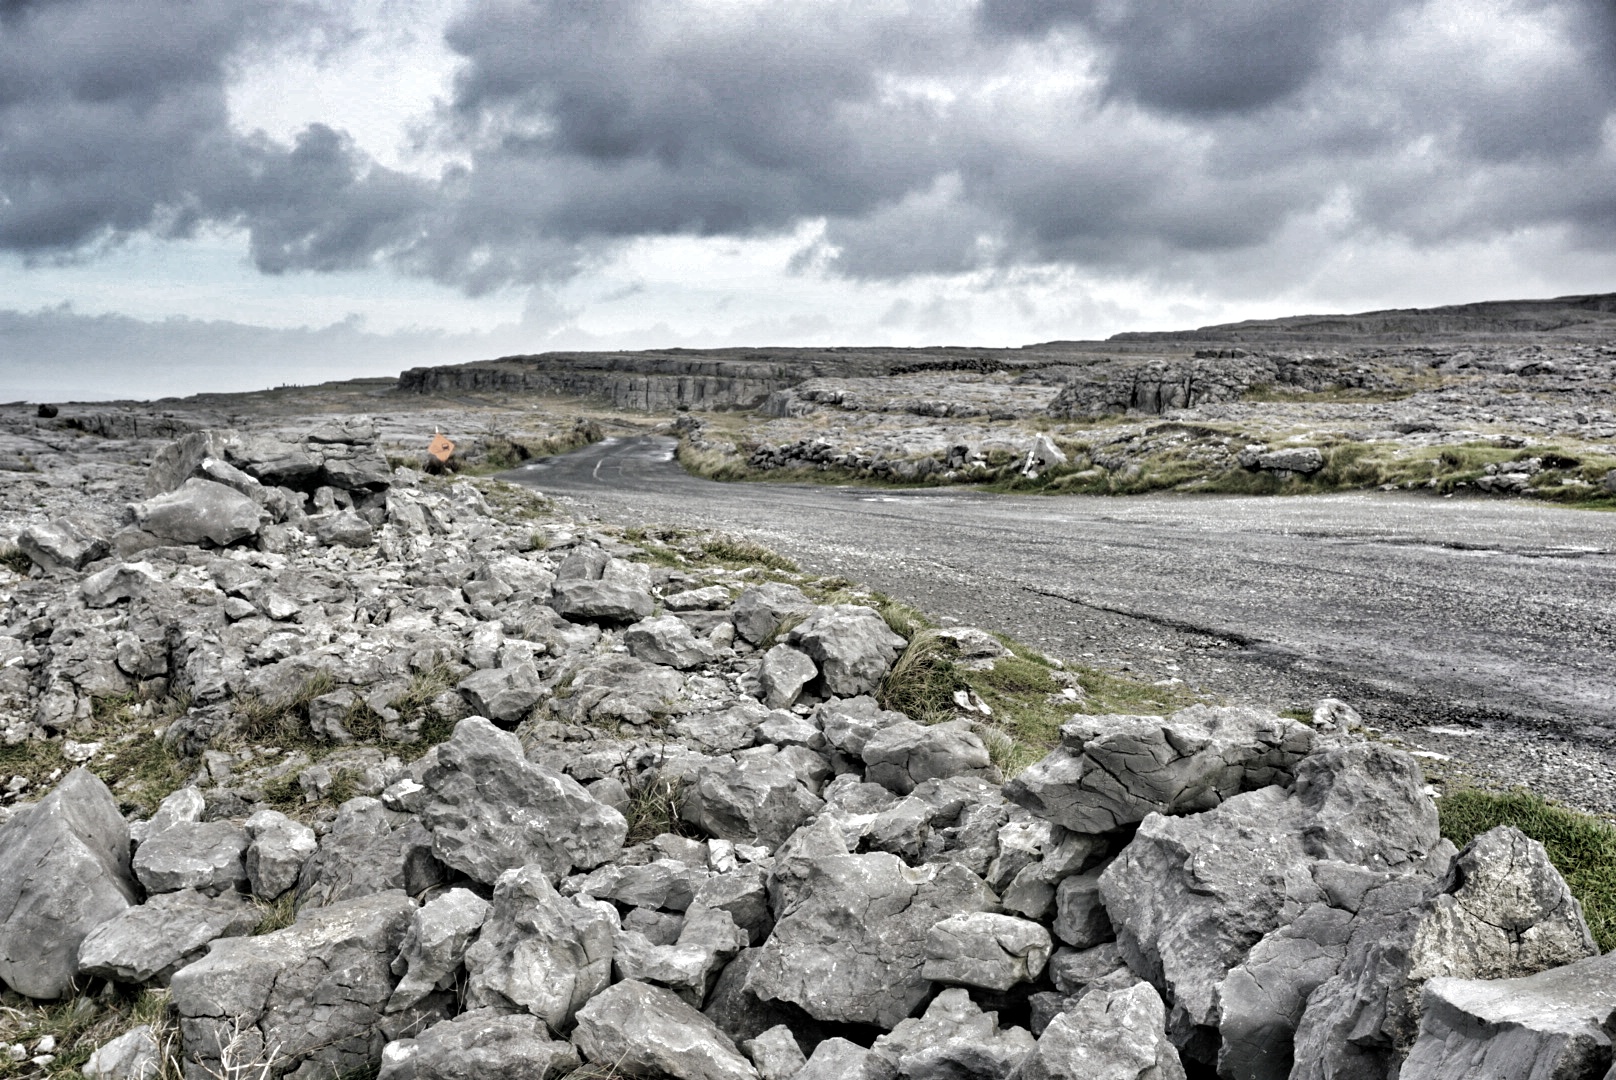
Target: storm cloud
{"points": [[1176, 139]]}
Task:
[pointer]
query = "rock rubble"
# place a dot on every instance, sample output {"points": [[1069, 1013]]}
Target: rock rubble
{"points": [[531, 804]]}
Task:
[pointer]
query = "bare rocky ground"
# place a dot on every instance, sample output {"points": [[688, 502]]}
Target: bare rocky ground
{"points": [[317, 766], [326, 768]]}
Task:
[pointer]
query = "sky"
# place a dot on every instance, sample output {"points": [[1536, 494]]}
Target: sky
{"points": [[233, 194]]}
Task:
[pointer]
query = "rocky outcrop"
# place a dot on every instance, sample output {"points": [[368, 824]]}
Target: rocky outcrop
{"points": [[64, 871]]}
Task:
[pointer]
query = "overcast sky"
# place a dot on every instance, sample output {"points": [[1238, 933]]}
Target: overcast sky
{"points": [[228, 194]]}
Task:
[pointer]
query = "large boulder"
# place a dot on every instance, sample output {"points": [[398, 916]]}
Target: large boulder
{"points": [[200, 510], [369, 849], [759, 612], [205, 855], [491, 810], [1111, 771], [985, 949], [276, 851], [582, 600], [179, 461], [1190, 896], [1501, 912], [907, 754], [540, 951], [667, 640], [953, 1040], [1555, 1024], [759, 799], [849, 942], [853, 646], [479, 1045], [435, 946], [647, 1031], [310, 997], [1106, 1035], [66, 543], [150, 942], [64, 870]]}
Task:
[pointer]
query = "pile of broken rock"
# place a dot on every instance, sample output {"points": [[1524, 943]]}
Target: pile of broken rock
{"points": [[840, 891]]}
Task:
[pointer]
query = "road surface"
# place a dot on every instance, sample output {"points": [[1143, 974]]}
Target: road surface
{"points": [[1446, 618]]}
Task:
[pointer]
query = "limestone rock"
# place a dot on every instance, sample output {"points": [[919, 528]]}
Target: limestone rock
{"points": [[490, 810], [200, 510], [1111, 771], [850, 937], [1107, 1035], [834, 1059], [205, 855], [759, 799], [1191, 895], [708, 939], [369, 849], [182, 459], [619, 689], [134, 1055], [1081, 920], [775, 1053], [479, 1045], [504, 695], [344, 528], [150, 942], [904, 755], [850, 724], [311, 993], [601, 601], [277, 849], [540, 951], [852, 645], [667, 640], [760, 611], [1552, 1024], [954, 1038], [783, 674], [721, 732], [64, 870], [65, 543], [1502, 912], [435, 946], [662, 883], [647, 1031], [987, 950]]}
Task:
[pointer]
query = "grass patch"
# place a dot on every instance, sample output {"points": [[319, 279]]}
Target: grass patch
{"points": [[133, 761], [15, 560], [282, 721], [735, 553], [1581, 847], [276, 915], [653, 809], [923, 682], [81, 1023]]}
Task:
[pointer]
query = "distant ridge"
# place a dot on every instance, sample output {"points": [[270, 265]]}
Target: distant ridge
{"points": [[1578, 317]]}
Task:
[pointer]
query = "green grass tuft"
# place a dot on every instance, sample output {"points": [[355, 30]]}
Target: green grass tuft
{"points": [[923, 681], [1582, 847], [14, 560]]}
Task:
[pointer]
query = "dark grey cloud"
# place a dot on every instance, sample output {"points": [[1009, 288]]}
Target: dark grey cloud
{"points": [[114, 121], [1139, 136]]}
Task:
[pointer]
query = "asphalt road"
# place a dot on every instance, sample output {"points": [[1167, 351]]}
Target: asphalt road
{"points": [[1480, 615]]}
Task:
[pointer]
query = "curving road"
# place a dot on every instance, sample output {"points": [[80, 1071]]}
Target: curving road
{"points": [[1480, 616]]}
